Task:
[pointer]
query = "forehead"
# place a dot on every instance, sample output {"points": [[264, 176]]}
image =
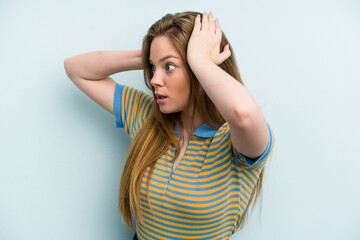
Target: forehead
{"points": [[162, 47]]}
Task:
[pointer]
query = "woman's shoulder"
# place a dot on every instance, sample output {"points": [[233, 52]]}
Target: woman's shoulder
{"points": [[129, 90]]}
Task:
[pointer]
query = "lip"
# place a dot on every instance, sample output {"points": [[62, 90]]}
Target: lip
{"points": [[159, 94], [161, 100], [158, 99]]}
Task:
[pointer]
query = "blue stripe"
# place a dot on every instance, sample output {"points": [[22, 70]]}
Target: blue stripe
{"points": [[187, 161], [192, 234], [199, 188], [202, 226], [234, 195], [237, 176], [184, 196], [185, 220], [117, 105]]}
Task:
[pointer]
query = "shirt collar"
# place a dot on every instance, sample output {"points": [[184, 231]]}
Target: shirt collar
{"points": [[203, 131]]}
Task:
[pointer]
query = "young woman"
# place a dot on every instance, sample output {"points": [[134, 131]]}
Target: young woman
{"points": [[199, 142]]}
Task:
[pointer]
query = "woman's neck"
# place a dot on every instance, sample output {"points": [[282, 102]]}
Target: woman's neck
{"points": [[189, 123]]}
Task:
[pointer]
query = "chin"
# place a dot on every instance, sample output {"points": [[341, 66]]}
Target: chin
{"points": [[167, 110]]}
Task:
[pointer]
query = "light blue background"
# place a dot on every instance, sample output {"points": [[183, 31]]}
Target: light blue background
{"points": [[61, 157]]}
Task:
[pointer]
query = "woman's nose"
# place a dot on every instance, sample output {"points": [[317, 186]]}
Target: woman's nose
{"points": [[156, 80]]}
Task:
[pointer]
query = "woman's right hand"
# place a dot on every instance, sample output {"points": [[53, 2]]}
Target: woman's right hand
{"points": [[204, 43]]}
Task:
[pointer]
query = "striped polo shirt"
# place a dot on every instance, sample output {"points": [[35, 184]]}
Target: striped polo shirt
{"points": [[207, 193]]}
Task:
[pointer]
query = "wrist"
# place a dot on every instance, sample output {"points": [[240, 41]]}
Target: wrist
{"points": [[196, 61], [134, 60]]}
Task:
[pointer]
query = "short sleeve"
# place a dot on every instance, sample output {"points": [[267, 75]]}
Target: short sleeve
{"points": [[132, 108], [258, 162], [117, 105]]}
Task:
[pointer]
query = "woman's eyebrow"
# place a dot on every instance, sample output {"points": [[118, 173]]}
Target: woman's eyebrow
{"points": [[166, 57]]}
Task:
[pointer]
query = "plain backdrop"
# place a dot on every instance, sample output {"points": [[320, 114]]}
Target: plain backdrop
{"points": [[61, 156]]}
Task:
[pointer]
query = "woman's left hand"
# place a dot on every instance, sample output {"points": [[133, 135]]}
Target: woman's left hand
{"points": [[204, 43]]}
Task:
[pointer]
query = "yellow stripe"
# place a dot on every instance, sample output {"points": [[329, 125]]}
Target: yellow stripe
{"points": [[217, 216], [172, 226], [163, 179], [141, 106], [148, 232], [191, 163], [124, 100], [196, 203], [228, 182], [166, 233], [222, 178], [134, 94]]}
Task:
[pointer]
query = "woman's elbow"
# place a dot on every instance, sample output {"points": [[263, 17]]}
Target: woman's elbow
{"points": [[245, 117], [67, 67]]}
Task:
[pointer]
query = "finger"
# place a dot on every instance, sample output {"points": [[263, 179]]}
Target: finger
{"points": [[225, 54], [197, 24], [205, 22], [211, 23], [217, 27]]}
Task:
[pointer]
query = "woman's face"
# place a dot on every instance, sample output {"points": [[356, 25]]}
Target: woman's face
{"points": [[170, 80]]}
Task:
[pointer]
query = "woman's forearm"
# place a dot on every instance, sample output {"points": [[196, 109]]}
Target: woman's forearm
{"points": [[231, 98], [100, 64]]}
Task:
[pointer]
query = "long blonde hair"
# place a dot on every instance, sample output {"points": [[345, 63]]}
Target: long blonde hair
{"points": [[157, 134]]}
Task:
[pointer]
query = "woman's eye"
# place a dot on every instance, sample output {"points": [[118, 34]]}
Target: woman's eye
{"points": [[152, 67], [169, 67]]}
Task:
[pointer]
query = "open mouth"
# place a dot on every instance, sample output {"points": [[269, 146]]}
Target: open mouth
{"points": [[160, 96]]}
